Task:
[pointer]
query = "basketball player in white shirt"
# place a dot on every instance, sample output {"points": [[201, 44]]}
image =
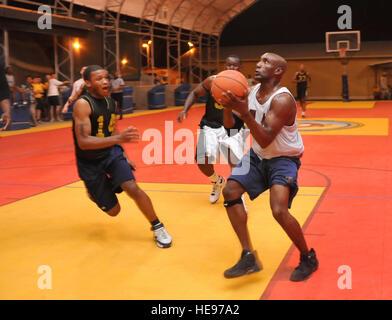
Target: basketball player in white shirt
{"points": [[272, 163]]}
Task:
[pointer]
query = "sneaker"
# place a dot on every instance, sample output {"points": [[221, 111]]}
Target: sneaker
{"points": [[161, 236], [308, 264], [217, 189], [24, 103], [249, 263]]}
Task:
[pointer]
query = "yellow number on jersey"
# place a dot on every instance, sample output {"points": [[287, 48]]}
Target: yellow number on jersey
{"points": [[100, 121], [100, 127], [218, 106], [111, 123]]}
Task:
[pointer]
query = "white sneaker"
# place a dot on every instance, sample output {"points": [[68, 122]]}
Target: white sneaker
{"points": [[161, 236], [217, 189]]}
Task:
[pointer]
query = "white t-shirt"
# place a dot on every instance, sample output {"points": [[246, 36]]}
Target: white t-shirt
{"points": [[116, 83], [53, 89], [383, 83], [10, 80], [288, 141], [77, 84]]}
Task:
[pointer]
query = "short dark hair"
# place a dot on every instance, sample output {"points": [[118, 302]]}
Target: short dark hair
{"points": [[234, 56], [89, 70]]}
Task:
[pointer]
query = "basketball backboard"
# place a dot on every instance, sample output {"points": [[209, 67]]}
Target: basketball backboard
{"points": [[350, 40]]}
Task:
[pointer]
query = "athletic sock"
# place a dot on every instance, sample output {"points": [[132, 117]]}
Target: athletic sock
{"points": [[214, 178], [155, 222]]}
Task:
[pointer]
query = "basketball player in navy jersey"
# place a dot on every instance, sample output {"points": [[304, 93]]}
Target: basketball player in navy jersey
{"points": [[101, 160], [273, 163], [213, 131], [302, 78]]}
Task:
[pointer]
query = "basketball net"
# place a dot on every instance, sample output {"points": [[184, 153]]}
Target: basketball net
{"points": [[343, 56]]}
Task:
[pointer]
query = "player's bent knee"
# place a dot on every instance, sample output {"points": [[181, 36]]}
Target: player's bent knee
{"points": [[114, 211], [132, 189], [232, 191], [279, 213]]}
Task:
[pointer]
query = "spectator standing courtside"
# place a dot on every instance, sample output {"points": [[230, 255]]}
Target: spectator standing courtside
{"points": [[117, 85], [28, 88], [39, 91], [53, 97]]}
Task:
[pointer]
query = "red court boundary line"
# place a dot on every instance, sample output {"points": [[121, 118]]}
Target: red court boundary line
{"points": [[265, 295]]}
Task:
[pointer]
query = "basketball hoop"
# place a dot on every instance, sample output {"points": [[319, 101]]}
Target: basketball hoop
{"points": [[342, 52], [343, 56]]}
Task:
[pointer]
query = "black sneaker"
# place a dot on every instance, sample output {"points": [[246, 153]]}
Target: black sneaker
{"points": [[249, 263], [308, 264]]}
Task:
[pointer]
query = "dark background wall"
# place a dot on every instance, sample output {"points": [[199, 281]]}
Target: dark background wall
{"points": [[306, 21]]}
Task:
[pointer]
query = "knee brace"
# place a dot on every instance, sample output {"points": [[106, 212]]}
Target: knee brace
{"points": [[231, 203]]}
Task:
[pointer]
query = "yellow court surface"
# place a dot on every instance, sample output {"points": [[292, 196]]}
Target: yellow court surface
{"points": [[341, 105], [95, 256]]}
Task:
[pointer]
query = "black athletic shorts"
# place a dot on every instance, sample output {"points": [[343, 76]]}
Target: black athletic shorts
{"points": [[103, 178], [301, 91], [40, 104], [53, 101]]}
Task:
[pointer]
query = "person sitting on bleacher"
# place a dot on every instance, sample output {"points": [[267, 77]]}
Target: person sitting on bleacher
{"points": [[13, 87]]}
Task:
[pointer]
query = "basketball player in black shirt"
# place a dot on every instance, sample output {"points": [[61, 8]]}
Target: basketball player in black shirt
{"points": [[213, 134], [302, 78], [101, 161]]}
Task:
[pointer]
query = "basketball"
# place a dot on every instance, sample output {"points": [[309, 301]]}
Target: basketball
{"points": [[231, 80]]}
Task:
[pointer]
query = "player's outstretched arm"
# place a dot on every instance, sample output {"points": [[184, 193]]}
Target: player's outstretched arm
{"points": [[196, 93], [86, 141]]}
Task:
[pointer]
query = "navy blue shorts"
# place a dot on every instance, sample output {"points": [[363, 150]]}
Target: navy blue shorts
{"points": [[301, 91], [103, 178], [257, 176]]}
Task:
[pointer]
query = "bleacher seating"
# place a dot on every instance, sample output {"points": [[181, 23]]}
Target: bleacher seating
{"points": [[156, 97], [20, 114], [181, 93], [128, 103], [65, 97], [203, 99]]}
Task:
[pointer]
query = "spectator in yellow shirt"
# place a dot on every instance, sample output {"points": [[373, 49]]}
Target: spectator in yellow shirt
{"points": [[39, 90]]}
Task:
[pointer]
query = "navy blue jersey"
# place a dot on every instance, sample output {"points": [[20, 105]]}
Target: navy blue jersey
{"points": [[302, 79], [102, 120], [213, 115]]}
